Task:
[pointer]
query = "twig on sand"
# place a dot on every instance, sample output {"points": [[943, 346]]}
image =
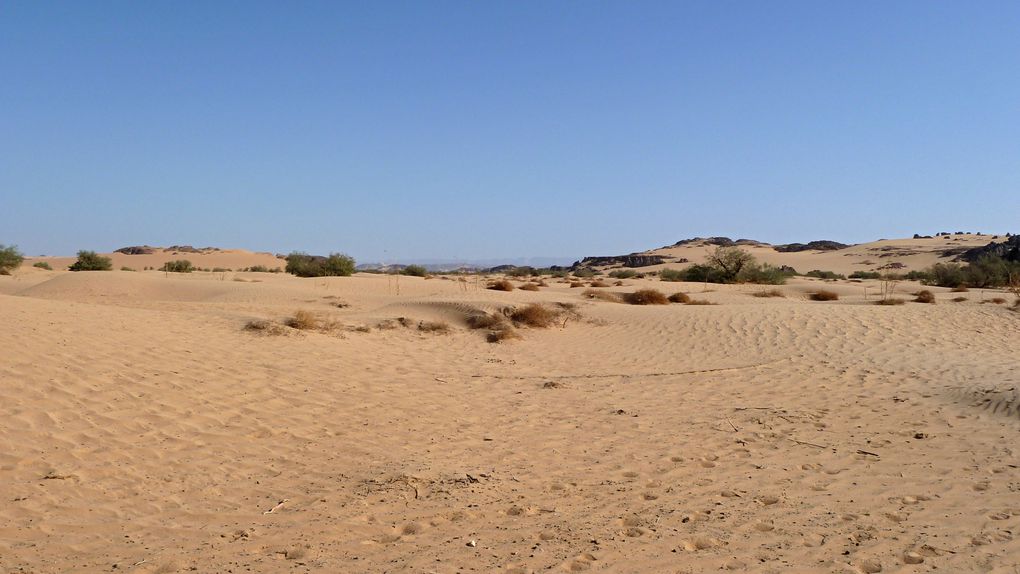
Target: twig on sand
{"points": [[868, 453], [275, 508], [753, 408], [806, 443], [735, 429]]}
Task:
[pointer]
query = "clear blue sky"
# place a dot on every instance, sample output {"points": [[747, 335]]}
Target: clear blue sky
{"points": [[432, 129]]}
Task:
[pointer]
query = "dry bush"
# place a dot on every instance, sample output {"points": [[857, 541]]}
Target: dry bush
{"points": [[700, 302], [925, 296], [528, 287], [646, 297], [890, 301], [823, 295], [500, 335], [998, 300], [598, 283], [501, 285], [534, 315], [303, 320], [542, 283], [769, 293], [960, 289], [601, 295], [576, 284], [439, 327], [618, 283], [959, 299], [485, 321], [679, 298], [264, 327]]}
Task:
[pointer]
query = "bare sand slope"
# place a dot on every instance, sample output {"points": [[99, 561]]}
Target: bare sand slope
{"points": [[884, 255], [142, 429]]}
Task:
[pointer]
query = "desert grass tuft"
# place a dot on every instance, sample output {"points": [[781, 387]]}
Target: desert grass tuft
{"points": [[646, 297], [925, 296], [890, 301], [679, 298], [769, 293], [528, 287], [264, 327], [700, 302], [574, 284], [823, 295], [303, 320], [959, 299], [598, 283], [534, 315], [998, 300], [960, 289], [501, 285], [505, 334], [601, 295], [437, 327]]}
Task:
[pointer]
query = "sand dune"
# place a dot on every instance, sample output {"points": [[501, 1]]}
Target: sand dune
{"points": [[143, 429]]}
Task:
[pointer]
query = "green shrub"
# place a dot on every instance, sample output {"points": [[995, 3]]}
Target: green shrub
{"points": [[126, 269], [824, 274], [178, 266], [865, 275], [304, 265], [10, 259], [91, 261], [584, 273], [763, 274], [43, 265], [674, 275], [623, 274], [414, 271]]}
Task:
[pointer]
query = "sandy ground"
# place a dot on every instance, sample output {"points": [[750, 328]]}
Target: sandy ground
{"points": [[143, 429]]}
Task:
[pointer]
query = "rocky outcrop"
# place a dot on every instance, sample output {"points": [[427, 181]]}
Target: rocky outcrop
{"points": [[136, 250], [632, 260], [1008, 250], [811, 246]]}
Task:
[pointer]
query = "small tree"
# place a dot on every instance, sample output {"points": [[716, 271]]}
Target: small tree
{"points": [[91, 261], [414, 271], [338, 265], [730, 261], [10, 259], [179, 266]]}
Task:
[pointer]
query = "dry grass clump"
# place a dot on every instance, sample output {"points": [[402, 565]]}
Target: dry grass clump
{"points": [[646, 297], [598, 283], [264, 327], [534, 315], [500, 335], [700, 302], [959, 299], [769, 293], [576, 284], [501, 285], [960, 289], [303, 320], [601, 295], [925, 296], [998, 300], [823, 295], [528, 287], [485, 321], [679, 298], [890, 301], [438, 327]]}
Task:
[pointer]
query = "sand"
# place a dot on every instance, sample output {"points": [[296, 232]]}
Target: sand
{"points": [[144, 429]]}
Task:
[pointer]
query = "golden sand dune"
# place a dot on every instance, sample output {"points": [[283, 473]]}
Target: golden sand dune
{"points": [[143, 429]]}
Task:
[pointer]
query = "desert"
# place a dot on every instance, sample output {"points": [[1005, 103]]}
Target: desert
{"points": [[238, 421]]}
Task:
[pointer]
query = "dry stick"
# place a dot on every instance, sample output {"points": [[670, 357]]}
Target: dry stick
{"points": [[868, 453], [278, 505], [735, 429], [628, 375], [806, 443]]}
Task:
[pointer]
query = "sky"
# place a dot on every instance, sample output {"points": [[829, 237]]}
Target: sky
{"points": [[459, 130]]}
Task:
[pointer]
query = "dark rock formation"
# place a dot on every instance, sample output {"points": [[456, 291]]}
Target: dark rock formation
{"points": [[811, 246], [1008, 250], [632, 260], [136, 250]]}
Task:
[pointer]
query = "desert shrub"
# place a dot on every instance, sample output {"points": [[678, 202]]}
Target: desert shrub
{"points": [[414, 271], [959, 299], [623, 274], [179, 266], [769, 293], [729, 261], [534, 315], [987, 272], [91, 261], [601, 295], [574, 284], [304, 265], [126, 268], [823, 295], [261, 269], [303, 320], [485, 321], [762, 274], [598, 283], [998, 300], [501, 285], [865, 275], [43, 265], [220, 270], [890, 301], [674, 275], [439, 327], [10, 259], [700, 302], [960, 289], [646, 297], [703, 274], [925, 296], [528, 287], [584, 273], [263, 326], [500, 335], [679, 298], [824, 274]]}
